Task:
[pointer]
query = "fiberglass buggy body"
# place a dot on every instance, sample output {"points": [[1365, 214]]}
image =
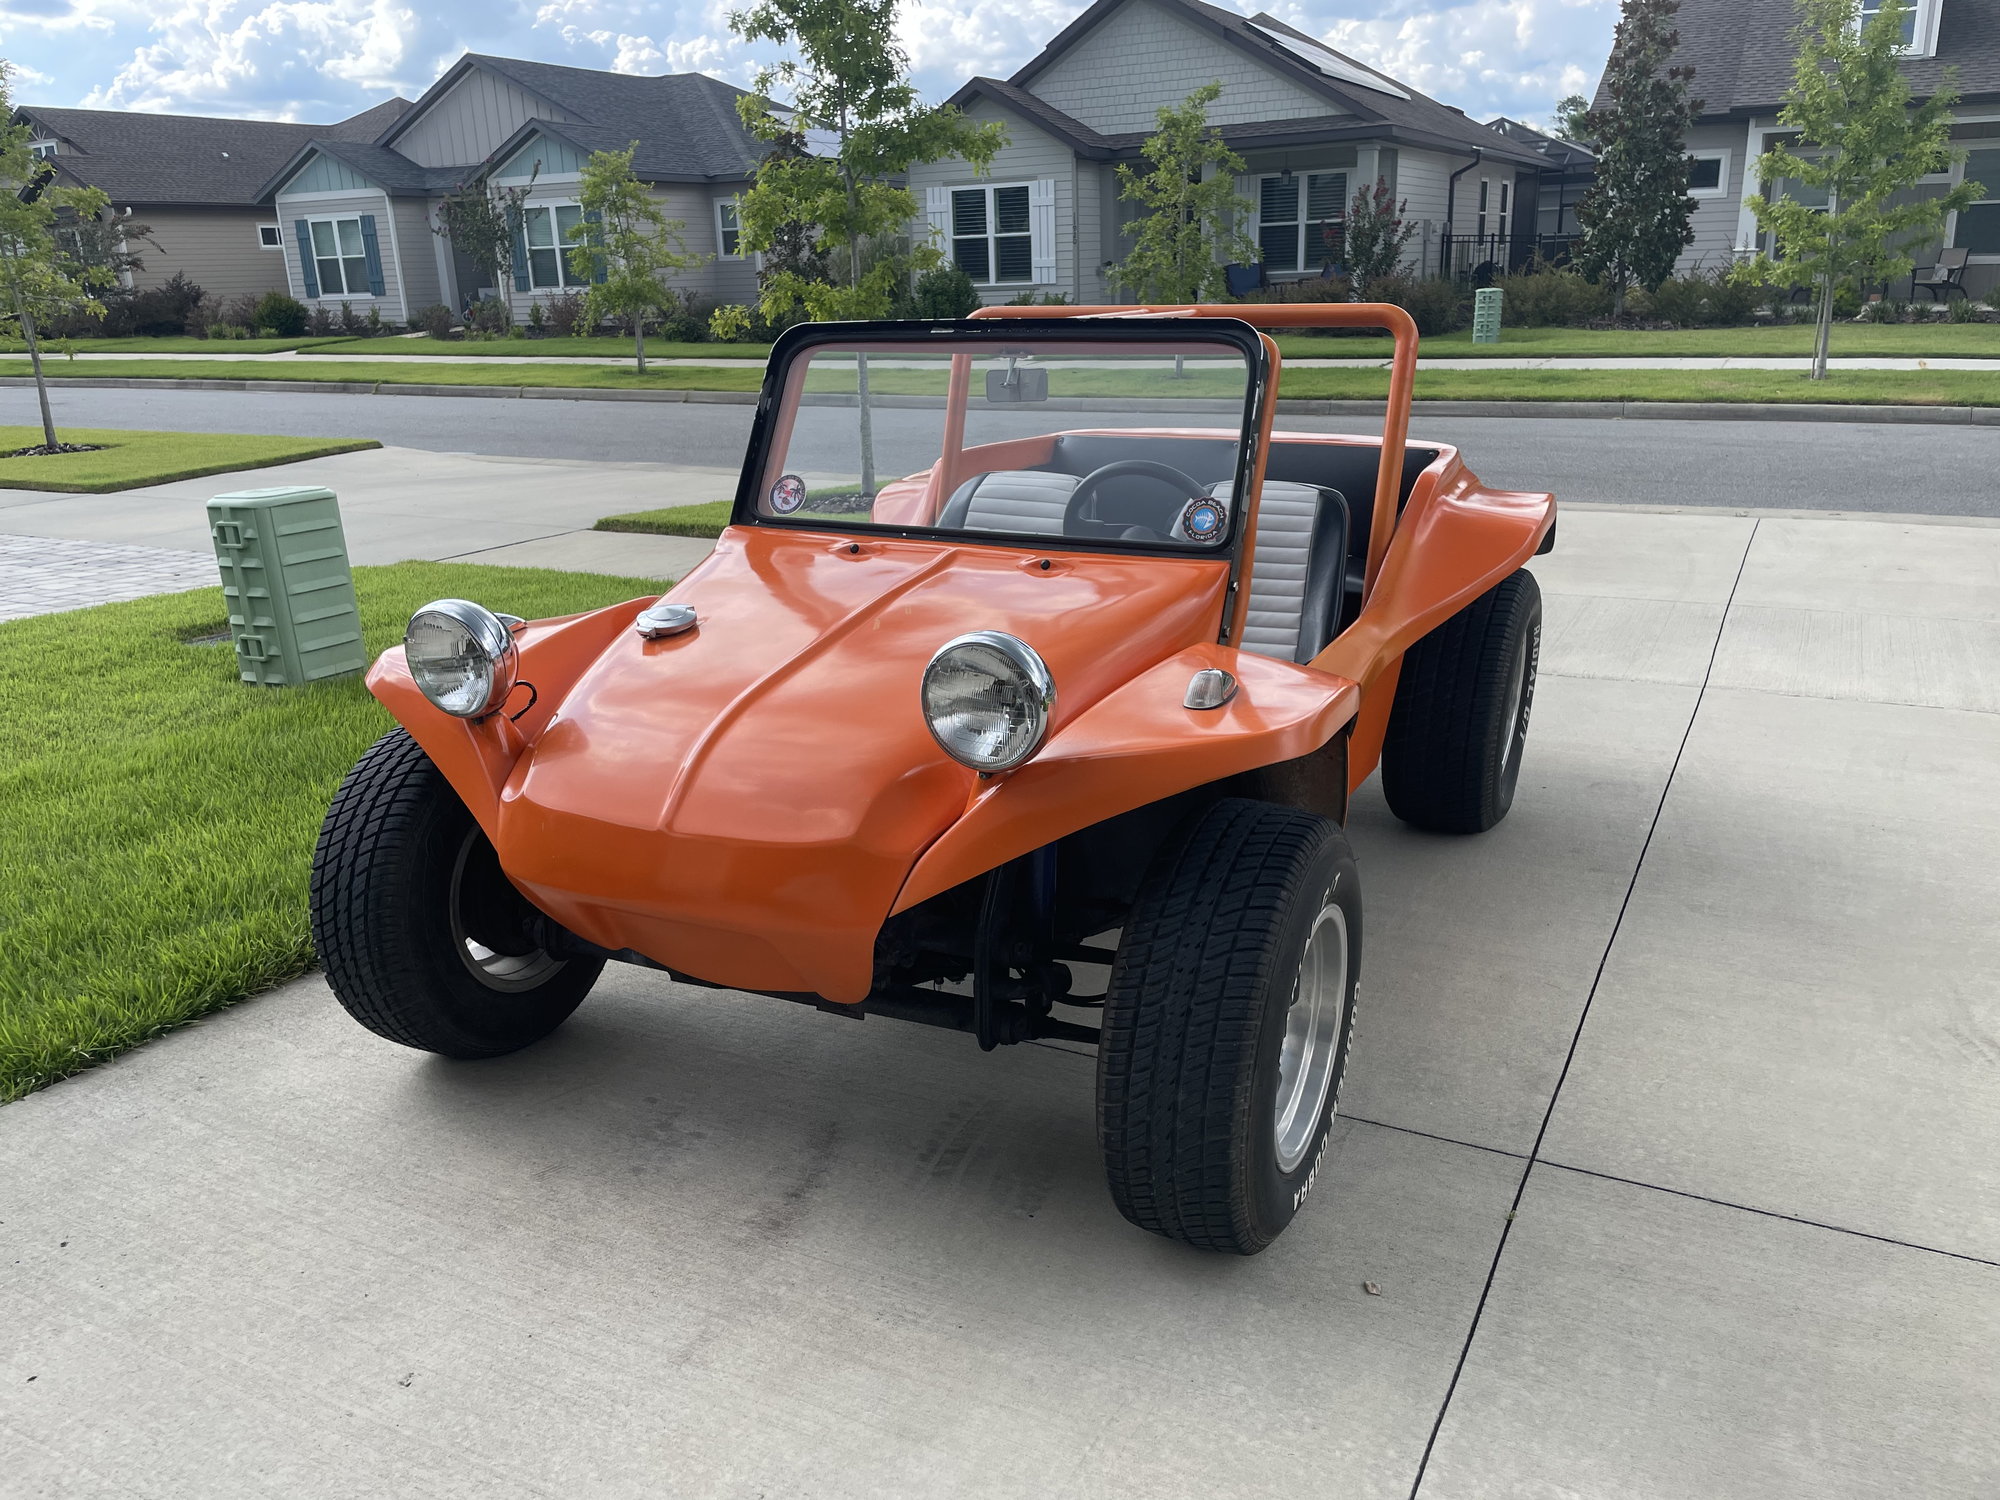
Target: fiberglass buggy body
{"points": [[1057, 701]]}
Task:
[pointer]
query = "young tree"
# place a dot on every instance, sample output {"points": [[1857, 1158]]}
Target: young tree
{"points": [[850, 83], [1189, 233], [481, 221], [624, 244], [1375, 235], [1635, 215], [1861, 147], [40, 278]]}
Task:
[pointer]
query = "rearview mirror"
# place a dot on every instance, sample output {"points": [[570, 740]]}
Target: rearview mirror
{"points": [[1015, 386]]}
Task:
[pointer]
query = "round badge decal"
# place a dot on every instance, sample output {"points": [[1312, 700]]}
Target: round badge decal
{"points": [[788, 494], [1203, 520]]}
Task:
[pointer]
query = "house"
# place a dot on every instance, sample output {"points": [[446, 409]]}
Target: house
{"points": [[359, 217], [193, 181], [1312, 126], [1567, 171], [1742, 54]]}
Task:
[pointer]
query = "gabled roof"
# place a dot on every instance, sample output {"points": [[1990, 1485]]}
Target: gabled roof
{"points": [[685, 123], [1742, 51], [1415, 119], [389, 170], [187, 159]]}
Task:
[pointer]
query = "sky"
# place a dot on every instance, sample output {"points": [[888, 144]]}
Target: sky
{"points": [[322, 60]]}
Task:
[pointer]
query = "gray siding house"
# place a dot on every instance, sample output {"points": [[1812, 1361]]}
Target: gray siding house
{"points": [[1312, 126], [1742, 53], [194, 181], [358, 217]]}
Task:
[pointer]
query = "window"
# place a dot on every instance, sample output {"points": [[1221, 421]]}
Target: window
{"points": [[40, 149], [268, 237], [548, 229], [1708, 174], [1299, 219], [340, 257], [1506, 207], [1484, 188], [1978, 227], [728, 231], [991, 238], [1919, 23]]}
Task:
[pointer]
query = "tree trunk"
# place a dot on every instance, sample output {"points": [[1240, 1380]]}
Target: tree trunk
{"points": [[866, 418], [639, 340], [1824, 333], [41, 385]]}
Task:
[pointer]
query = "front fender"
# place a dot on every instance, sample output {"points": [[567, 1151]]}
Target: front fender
{"points": [[477, 756], [1133, 747]]}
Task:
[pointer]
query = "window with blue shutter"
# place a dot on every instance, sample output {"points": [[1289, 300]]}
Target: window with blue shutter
{"points": [[372, 252], [302, 237]]}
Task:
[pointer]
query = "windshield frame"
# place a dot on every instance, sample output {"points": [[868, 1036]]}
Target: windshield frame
{"points": [[802, 340]]}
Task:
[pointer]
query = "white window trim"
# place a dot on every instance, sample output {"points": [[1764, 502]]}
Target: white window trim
{"points": [[1958, 172], [41, 150], [1721, 188], [1307, 265], [364, 295], [1924, 31], [563, 274], [992, 250], [735, 203], [277, 244]]}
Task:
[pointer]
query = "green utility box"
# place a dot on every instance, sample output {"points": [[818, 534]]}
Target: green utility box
{"points": [[1486, 315], [292, 616]]}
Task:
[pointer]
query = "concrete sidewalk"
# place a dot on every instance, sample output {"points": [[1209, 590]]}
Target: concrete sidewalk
{"points": [[1671, 1142]]}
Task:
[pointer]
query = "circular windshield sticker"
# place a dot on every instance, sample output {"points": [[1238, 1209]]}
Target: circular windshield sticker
{"points": [[788, 494], [1203, 520]]}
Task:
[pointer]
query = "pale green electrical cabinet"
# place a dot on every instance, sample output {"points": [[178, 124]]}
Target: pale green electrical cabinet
{"points": [[1486, 314], [285, 578]]}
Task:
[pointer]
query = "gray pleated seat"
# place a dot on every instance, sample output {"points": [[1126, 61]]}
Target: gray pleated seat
{"points": [[1296, 576]]}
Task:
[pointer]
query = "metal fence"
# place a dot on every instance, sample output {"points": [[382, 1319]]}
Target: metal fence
{"points": [[1478, 258]]}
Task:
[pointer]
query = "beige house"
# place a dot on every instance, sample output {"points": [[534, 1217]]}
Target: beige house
{"points": [[195, 182]]}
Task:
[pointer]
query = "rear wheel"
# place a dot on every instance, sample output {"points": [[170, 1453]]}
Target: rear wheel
{"points": [[1226, 1025], [1452, 755], [425, 941]]}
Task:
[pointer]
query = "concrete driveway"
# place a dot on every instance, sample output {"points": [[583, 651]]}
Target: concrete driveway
{"points": [[1671, 1148]]}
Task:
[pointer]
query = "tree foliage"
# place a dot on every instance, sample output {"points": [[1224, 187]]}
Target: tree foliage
{"points": [[1635, 217], [480, 221], [44, 274], [1182, 242], [1860, 151], [1572, 116], [1375, 236], [848, 84], [624, 245]]}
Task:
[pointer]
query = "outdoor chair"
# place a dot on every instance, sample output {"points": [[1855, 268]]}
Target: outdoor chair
{"points": [[1243, 280], [1944, 278]]}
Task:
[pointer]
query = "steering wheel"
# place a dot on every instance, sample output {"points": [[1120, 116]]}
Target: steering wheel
{"points": [[1085, 494]]}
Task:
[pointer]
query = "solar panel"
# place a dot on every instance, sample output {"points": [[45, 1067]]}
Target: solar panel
{"points": [[1333, 66]]}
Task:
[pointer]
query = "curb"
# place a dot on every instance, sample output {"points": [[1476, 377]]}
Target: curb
{"points": [[1650, 411]]}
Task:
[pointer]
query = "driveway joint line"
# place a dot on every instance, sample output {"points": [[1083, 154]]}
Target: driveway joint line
{"points": [[1583, 1018], [1432, 1135], [1769, 1213]]}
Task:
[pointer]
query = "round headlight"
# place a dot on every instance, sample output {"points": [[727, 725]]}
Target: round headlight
{"points": [[462, 656], [987, 697]]}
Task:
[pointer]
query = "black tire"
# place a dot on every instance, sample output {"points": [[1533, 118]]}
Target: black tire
{"points": [[1459, 727], [1195, 1017], [401, 877]]}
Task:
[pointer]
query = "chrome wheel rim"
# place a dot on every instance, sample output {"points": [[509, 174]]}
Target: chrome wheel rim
{"points": [[1313, 1024], [1517, 687], [509, 973]]}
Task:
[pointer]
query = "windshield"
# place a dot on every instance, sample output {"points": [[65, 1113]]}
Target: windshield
{"points": [[1080, 435]]}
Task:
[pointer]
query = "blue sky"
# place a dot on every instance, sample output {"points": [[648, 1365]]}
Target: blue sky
{"points": [[320, 60]]}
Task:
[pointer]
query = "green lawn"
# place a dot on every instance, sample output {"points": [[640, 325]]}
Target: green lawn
{"points": [[159, 815], [675, 520], [548, 348], [1959, 340], [175, 346], [583, 377], [129, 459]]}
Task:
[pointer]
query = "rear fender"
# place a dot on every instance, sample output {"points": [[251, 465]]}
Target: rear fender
{"points": [[1135, 746], [477, 756]]}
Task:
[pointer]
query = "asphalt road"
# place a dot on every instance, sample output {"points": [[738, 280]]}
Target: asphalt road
{"points": [[1919, 470]]}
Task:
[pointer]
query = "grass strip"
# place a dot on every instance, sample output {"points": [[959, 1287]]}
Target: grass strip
{"points": [[675, 520], [1855, 340], [169, 345], [157, 817], [1866, 387], [129, 459], [545, 348]]}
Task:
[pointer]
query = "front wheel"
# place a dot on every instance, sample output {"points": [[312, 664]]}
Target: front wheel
{"points": [[425, 941], [1226, 1025]]}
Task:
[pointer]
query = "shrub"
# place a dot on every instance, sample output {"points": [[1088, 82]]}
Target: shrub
{"points": [[945, 291], [376, 327], [319, 322], [1544, 296], [566, 314], [171, 308], [1437, 304], [536, 317], [684, 319], [226, 331], [1964, 310], [488, 316], [437, 320], [1038, 299], [284, 316]]}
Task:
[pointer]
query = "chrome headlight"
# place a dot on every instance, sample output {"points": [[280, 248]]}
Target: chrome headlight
{"points": [[462, 656], [987, 698]]}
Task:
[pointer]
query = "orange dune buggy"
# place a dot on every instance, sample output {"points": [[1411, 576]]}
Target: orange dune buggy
{"points": [[1087, 689]]}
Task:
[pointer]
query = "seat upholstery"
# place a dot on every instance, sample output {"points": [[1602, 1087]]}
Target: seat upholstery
{"points": [[1019, 501], [1298, 574]]}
